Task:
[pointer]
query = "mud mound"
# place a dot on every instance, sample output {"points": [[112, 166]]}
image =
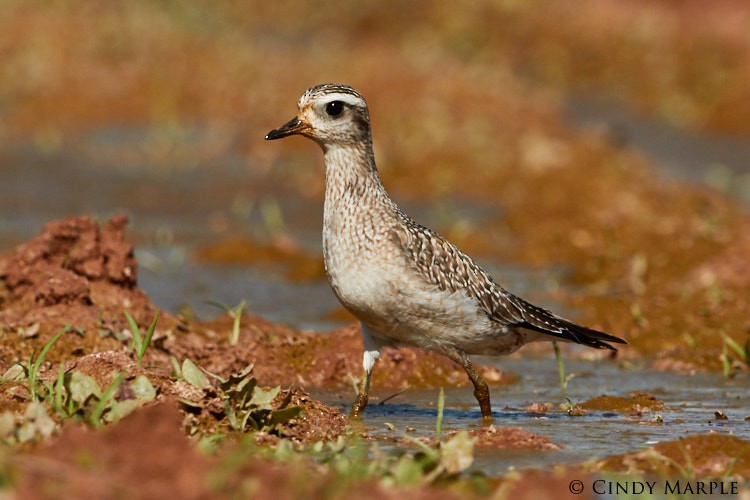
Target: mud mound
{"points": [[75, 272], [514, 438]]}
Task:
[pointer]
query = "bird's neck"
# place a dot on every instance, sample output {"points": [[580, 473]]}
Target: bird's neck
{"points": [[351, 175]]}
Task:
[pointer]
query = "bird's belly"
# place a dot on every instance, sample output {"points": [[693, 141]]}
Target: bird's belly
{"points": [[360, 289], [404, 312], [443, 320]]}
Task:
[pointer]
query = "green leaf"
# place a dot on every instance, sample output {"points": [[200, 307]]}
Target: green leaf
{"points": [[136, 341], [34, 367], [407, 471], [457, 454], [144, 391], [252, 418], [242, 398], [742, 352], [283, 415], [176, 367], [29, 332], [236, 379], [120, 409], [285, 450], [263, 399], [194, 375], [15, 372], [37, 422], [231, 415], [58, 394], [107, 400], [287, 399], [190, 404], [82, 387], [149, 334]]}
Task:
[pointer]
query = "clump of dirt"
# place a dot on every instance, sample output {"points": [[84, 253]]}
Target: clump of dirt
{"points": [[75, 273], [318, 422], [710, 455], [59, 266], [514, 438], [638, 402]]}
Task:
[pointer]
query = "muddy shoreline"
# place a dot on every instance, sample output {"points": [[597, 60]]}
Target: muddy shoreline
{"points": [[82, 274]]}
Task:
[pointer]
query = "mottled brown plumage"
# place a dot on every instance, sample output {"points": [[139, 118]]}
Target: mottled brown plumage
{"points": [[406, 284]]}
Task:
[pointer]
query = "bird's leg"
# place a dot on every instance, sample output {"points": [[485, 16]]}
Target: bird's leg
{"points": [[361, 402], [481, 391], [371, 354]]}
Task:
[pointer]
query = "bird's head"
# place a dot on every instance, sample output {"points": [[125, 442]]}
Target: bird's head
{"points": [[331, 115]]}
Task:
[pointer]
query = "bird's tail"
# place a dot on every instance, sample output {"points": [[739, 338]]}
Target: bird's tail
{"points": [[542, 321]]}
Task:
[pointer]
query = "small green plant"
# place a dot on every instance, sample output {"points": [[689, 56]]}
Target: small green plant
{"points": [[726, 363], [236, 314], [79, 396], [446, 459], [686, 471], [107, 397], [31, 367], [440, 409], [743, 353], [58, 392], [571, 408], [245, 404], [36, 424], [140, 344], [564, 379], [349, 459]]}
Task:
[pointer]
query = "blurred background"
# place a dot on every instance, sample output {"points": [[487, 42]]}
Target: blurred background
{"points": [[577, 142]]}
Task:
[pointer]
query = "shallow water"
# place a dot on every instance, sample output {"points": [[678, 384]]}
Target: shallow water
{"points": [[692, 398]]}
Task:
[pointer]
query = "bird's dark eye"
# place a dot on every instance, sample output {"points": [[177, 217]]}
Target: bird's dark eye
{"points": [[334, 108]]}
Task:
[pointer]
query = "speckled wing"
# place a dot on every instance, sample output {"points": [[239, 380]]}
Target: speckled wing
{"points": [[444, 265]]}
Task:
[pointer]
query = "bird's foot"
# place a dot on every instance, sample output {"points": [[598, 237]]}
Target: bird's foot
{"points": [[358, 407]]}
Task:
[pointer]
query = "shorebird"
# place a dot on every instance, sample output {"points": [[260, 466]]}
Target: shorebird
{"points": [[406, 284]]}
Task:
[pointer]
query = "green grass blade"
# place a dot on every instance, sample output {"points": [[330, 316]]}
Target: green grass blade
{"points": [[147, 338], [220, 305], [560, 367], [96, 414], [57, 400], [236, 313], [440, 408], [34, 369], [136, 342], [736, 347]]}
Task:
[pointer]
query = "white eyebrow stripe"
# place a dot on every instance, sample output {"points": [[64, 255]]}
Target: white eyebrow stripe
{"points": [[346, 98]]}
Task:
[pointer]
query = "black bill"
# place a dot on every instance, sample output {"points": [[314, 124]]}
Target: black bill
{"points": [[293, 126]]}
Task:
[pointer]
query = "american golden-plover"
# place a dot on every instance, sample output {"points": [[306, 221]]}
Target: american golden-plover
{"points": [[407, 285]]}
